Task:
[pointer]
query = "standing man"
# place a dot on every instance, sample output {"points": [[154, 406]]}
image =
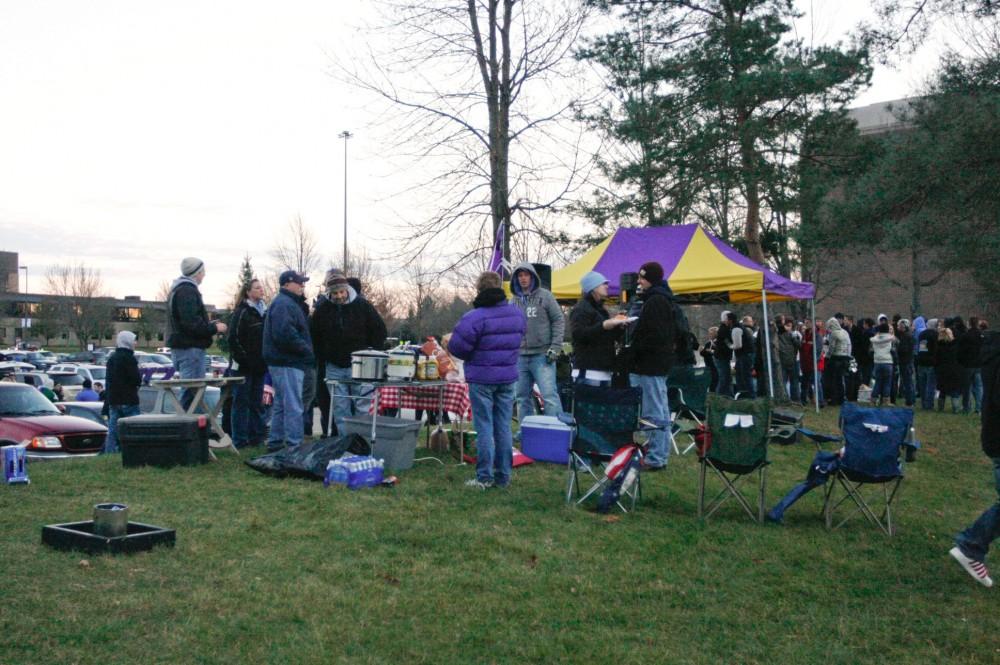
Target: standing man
{"points": [[123, 387], [927, 342], [342, 323], [744, 346], [488, 339], [246, 359], [724, 353], [972, 545], [652, 356], [542, 342], [189, 331], [288, 352], [839, 361]]}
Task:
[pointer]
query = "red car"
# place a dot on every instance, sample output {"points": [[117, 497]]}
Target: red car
{"points": [[29, 419]]}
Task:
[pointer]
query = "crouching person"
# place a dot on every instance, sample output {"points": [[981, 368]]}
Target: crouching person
{"points": [[123, 387], [488, 339]]}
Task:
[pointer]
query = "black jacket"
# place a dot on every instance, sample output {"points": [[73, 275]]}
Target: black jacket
{"points": [[188, 326], [969, 344], [989, 360], [652, 349], [593, 346], [722, 339], [122, 378], [340, 330], [246, 340], [904, 349]]}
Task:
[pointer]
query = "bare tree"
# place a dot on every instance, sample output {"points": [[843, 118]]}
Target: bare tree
{"points": [[483, 94], [296, 249], [84, 307]]}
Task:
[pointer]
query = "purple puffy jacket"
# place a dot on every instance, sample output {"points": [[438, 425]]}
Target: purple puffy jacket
{"points": [[488, 339]]}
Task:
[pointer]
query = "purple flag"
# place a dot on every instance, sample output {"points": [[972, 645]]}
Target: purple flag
{"points": [[497, 262]]}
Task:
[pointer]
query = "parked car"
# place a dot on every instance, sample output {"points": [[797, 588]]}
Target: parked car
{"points": [[36, 379], [89, 410], [93, 372], [28, 419], [154, 400], [149, 360], [98, 357], [71, 382], [41, 359], [11, 366]]}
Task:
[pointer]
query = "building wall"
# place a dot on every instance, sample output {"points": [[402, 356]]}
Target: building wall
{"points": [[9, 272], [863, 283]]}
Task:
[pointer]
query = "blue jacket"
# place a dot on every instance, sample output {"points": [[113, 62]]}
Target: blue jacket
{"points": [[488, 339], [286, 333]]}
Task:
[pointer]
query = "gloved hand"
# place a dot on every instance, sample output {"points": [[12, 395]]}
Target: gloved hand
{"points": [[551, 355]]}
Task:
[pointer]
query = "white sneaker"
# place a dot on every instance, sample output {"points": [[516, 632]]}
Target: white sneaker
{"points": [[977, 569], [478, 484]]}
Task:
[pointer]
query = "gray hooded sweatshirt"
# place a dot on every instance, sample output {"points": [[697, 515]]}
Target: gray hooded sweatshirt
{"points": [[546, 324], [840, 341]]}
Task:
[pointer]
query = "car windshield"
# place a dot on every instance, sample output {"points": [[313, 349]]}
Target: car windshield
{"points": [[67, 379], [162, 359], [98, 373], [25, 401]]}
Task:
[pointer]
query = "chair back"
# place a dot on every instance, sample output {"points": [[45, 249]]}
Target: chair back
{"points": [[872, 439], [605, 418], [690, 384], [742, 443]]}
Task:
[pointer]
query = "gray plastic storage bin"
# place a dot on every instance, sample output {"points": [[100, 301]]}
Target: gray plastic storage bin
{"points": [[395, 438]]}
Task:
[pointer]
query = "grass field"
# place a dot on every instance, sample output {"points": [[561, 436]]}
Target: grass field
{"points": [[285, 571]]}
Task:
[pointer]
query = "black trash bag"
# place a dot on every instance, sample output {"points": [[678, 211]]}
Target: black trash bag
{"points": [[309, 460]]}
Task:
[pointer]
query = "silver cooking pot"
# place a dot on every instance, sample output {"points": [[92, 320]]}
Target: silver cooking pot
{"points": [[369, 365]]}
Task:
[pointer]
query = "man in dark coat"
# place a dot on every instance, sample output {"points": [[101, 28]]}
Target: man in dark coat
{"points": [[594, 333], [189, 330], [651, 355], [288, 352], [246, 359], [972, 545], [342, 323], [489, 339], [123, 380]]}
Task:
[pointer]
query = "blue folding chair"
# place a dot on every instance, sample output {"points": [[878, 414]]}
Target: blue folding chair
{"points": [[874, 441]]}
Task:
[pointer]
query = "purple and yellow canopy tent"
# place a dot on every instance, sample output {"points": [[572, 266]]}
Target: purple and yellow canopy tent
{"points": [[694, 263]]}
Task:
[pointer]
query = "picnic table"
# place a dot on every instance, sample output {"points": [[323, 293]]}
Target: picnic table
{"points": [[223, 383]]}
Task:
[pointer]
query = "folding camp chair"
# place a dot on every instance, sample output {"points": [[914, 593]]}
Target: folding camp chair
{"points": [[687, 388], [604, 422], [736, 448], [874, 439]]}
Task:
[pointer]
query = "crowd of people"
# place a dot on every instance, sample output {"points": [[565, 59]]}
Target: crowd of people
{"points": [[886, 361], [507, 347]]}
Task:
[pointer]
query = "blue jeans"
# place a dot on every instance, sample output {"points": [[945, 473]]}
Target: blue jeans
{"points": [[492, 410], [656, 410], [286, 414], [744, 375], [534, 369], [725, 385], [247, 412], [883, 381], [342, 405], [190, 364], [972, 389], [975, 541], [906, 382], [114, 413], [791, 379], [928, 386]]}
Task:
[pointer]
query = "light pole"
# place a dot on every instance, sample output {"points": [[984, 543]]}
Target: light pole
{"points": [[345, 135], [25, 269]]}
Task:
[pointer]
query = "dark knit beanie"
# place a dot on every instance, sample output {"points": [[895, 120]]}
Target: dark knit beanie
{"points": [[652, 272]]}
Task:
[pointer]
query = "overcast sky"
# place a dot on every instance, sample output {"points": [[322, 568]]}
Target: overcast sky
{"points": [[134, 133]]}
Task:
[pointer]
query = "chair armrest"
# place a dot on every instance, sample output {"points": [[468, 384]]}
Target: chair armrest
{"points": [[816, 437]]}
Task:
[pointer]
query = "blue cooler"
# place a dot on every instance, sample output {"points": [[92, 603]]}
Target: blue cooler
{"points": [[546, 439], [15, 469]]}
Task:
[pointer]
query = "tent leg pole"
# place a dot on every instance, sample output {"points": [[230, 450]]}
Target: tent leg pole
{"points": [[812, 324], [767, 345]]}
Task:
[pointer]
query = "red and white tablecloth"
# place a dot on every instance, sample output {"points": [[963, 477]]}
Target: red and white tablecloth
{"points": [[455, 398]]}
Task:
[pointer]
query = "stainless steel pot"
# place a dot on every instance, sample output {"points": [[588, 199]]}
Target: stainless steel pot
{"points": [[110, 519], [369, 365]]}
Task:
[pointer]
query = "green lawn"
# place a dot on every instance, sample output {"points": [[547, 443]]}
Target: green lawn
{"points": [[285, 571]]}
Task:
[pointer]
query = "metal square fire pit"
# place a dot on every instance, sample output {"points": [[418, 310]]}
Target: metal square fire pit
{"points": [[80, 536]]}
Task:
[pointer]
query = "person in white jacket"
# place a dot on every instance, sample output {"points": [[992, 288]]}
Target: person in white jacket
{"points": [[882, 344]]}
